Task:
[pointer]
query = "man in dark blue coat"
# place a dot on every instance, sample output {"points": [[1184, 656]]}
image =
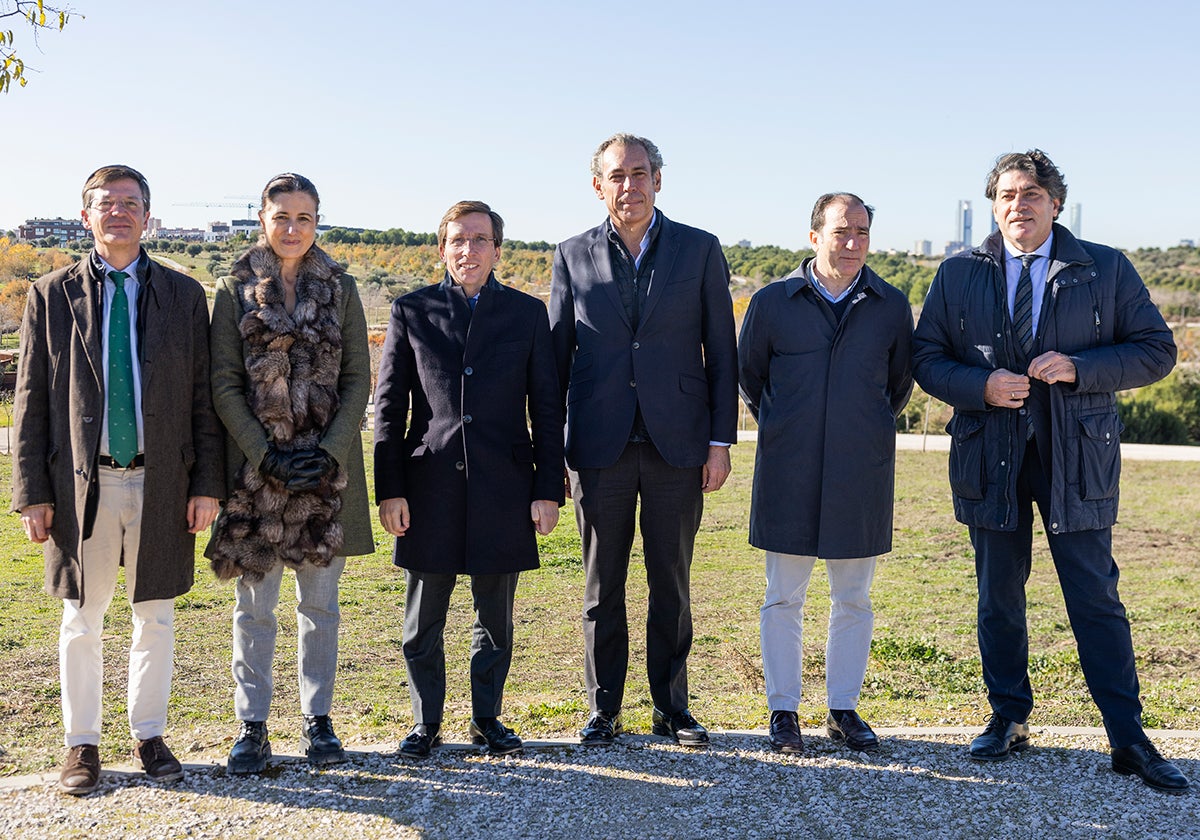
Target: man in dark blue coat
{"points": [[647, 358], [1028, 337], [464, 484], [825, 363]]}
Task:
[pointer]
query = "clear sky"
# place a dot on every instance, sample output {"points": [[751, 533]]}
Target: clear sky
{"points": [[398, 109]]}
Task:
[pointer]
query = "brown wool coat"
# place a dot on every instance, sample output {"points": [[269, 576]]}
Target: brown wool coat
{"points": [[60, 407], [246, 437]]}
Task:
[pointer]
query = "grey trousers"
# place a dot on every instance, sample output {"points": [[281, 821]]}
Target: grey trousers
{"points": [[255, 627], [425, 604]]}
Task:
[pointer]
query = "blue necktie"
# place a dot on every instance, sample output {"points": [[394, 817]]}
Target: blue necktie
{"points": [[122, 423], [1023, 306]]}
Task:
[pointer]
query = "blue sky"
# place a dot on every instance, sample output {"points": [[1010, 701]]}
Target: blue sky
{"points": [[398, 109]]}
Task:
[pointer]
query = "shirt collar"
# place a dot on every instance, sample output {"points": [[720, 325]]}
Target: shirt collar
{"points": [[825, 293], [650, 235], [1042, 250]]}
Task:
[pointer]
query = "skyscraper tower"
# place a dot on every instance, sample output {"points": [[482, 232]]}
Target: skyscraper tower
{"points": [[963, 224], [1075, 220]]}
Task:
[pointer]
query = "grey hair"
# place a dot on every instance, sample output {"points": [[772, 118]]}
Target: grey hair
{"points": [[624, 138]]}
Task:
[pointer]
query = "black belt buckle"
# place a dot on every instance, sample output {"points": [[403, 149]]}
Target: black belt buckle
{"points": [[138, 462]]}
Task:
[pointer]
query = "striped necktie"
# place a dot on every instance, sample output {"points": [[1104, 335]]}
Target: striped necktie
{"points": [[1022, 317], [122, 424]]}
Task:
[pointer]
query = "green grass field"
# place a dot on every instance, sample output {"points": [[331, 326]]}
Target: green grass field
{"points": [[924, 668]]}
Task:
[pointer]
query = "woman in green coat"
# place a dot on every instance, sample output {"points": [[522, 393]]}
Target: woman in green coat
{"points": [[290, 377]]}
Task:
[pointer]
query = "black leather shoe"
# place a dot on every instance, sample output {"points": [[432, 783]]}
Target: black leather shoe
{"points": [[157, 760], [421, 740], [681, 726], [498, 738], [1144, 761], [251, 749], [601, 730], [1001, 738], [846, 727], [784, 734], [319, 743]]}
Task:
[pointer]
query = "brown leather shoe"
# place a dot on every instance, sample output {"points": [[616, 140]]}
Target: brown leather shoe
{"points": [[157, 760], [81, 770]]}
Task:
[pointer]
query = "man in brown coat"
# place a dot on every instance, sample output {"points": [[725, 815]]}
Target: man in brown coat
{"points": [[117, 461]]}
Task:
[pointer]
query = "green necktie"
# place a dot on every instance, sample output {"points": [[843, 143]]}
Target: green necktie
{"points": [[122, 424]]}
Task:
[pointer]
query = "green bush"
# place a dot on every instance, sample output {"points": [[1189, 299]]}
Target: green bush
{"points": [[1146, 423], [1166, 412]]}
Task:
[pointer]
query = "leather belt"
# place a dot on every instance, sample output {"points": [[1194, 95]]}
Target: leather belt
{"points": [[138, 462]]}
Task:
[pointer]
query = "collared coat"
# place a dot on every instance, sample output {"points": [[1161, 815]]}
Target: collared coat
{"points": [[468, 462], [825, 394], [1095, 309], [246, 437], [59, 410]]}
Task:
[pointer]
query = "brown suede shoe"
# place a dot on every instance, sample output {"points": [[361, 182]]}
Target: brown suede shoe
{"points": [[157, 760], [81, 770]]}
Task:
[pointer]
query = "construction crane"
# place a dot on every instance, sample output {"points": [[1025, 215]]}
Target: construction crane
{"points": [[248, 205]]}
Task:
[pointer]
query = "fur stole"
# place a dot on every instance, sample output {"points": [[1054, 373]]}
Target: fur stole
{"points": [[292, 367]]}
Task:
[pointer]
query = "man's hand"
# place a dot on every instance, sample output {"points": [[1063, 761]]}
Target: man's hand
{"points": [[36, 520], [1005, 389], [545, 516], [1052, 367], [717, 468], [393, 516], [201, 511]]}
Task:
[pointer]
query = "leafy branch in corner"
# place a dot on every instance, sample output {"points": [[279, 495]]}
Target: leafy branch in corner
{"points": [[39, 16]]}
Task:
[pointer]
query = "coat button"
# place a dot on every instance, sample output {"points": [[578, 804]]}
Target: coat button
{"points": [[1053, 526], [468, 371], [632, 383], [466, 418], [637, 345], [459, 465]]}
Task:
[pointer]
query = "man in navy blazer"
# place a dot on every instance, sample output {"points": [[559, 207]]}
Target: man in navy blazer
{"points": [[643, 332]]}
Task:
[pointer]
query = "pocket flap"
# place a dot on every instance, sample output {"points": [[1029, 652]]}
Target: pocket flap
{"points": [[963, 426], [1104, 428]]}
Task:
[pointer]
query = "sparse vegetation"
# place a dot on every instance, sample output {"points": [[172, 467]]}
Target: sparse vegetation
{"points": [[924, 667]]}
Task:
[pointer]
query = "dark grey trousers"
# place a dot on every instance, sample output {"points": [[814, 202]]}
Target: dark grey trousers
{"points": [[606, 509], [425, 606]]}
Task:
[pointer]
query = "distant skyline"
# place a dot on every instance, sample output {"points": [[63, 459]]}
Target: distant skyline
{"points": [[397, 110]]}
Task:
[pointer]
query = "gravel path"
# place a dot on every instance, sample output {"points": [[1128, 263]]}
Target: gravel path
{"points": [[920, 785]]}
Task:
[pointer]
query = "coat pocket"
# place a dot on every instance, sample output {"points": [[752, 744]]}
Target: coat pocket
{"points": [[966, 456], [1099, 455]]}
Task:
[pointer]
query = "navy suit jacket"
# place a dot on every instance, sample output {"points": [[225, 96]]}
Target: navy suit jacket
{"points": [[680, 364]]}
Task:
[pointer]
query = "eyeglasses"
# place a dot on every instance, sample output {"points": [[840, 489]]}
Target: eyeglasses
{"points": [[461, 243], [133, 206]]}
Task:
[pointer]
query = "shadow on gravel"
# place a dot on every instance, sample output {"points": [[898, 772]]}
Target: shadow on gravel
{"points": [[645, 787]]}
